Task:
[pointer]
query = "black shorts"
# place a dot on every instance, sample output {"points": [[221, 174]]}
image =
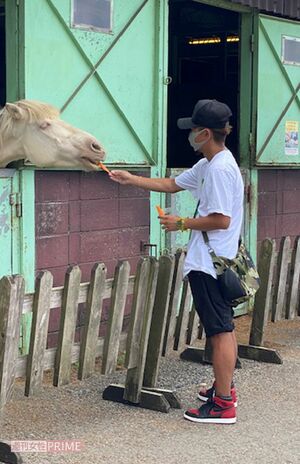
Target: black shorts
{"points": [[215, 314]]}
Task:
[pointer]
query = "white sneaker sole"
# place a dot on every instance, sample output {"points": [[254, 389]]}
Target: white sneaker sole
{"points": [[203, 398], [216, 420]]}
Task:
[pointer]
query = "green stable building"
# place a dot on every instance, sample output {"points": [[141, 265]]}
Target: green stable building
{"points": [[125, 71]]}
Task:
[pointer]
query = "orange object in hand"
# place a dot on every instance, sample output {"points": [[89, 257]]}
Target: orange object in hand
{"points": [[102, 166], [160, 211]]}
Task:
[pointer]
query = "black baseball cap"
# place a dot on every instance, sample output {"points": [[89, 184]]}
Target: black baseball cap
{"points": [[207, 113]]}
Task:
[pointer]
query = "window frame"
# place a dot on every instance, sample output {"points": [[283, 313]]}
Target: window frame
{"points": [[91, 28]]}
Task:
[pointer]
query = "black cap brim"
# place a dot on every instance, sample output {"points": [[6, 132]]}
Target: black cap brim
{"points": [[185, 123]]}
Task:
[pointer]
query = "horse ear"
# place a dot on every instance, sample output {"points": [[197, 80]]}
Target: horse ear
{"points": [[15, 111]]}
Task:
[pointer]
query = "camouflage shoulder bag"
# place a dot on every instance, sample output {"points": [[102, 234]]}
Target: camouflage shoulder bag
{"points": [[238, 278]]}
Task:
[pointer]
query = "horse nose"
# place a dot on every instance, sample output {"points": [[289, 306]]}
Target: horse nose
{"points": [[96, 147]]}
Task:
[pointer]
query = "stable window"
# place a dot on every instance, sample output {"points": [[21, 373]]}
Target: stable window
{"points": [[92, 15], [291, 50]]}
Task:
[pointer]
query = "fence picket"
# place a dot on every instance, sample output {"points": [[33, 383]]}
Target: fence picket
{"points": [[173, 304], [39, 332], [280, 289], [194, 329], [159, 317], [293, 292], [62, 370], [89, 338], [262, 297], [135, 374], [11, 302], [183, 317], [116, 313]]}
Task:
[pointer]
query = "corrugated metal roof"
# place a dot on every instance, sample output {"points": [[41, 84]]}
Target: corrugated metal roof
{"points": [[288, 8]]}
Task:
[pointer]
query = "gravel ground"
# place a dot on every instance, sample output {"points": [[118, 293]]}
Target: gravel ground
{"points": [[267, 430]]}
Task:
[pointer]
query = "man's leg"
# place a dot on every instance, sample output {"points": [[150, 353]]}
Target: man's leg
{"points": [[224, 354]]}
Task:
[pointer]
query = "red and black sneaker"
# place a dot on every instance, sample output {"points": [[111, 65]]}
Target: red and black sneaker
{"points": [[215, 411], [206, 394]]}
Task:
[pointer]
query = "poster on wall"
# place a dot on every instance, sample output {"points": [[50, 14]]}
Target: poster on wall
{"points": [[291, 144]]}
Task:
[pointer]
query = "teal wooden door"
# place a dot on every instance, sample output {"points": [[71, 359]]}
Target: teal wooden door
{"points": [[277, 72], [9, 212], [110, 84]]}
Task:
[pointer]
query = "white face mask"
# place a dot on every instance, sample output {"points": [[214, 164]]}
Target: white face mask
{"points": [[196, 145]]}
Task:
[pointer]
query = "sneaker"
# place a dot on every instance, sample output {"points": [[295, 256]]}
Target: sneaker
{"points": [[206, 394], [215, 411]]}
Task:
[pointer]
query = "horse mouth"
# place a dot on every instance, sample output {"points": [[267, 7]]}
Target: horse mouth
{"points": [[91, 164]]}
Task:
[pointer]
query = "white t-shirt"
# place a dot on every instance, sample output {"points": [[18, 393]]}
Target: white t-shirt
{"points": [[218, 185]]}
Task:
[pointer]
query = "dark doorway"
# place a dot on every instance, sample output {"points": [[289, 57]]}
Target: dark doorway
{"points": [[2, 55], [203, 63]]}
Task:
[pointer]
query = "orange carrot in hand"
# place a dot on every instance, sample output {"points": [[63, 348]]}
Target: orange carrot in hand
{"points": [[160, 211], [102, 166]]}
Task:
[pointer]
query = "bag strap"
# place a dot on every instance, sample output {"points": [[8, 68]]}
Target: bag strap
{"points": [[205, 236]]}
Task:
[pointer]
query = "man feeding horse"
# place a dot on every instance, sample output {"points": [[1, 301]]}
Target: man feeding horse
{"points": [[216, 182]]}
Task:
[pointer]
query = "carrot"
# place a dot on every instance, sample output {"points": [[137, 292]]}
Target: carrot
{"points": [[160, 211], [102, 166]]}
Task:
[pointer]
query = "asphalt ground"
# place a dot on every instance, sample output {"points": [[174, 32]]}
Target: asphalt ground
{"points": [[267, 430]]}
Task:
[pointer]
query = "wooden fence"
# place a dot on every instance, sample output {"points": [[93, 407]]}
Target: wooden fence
{"points": [[278, 296], [162, 319]]}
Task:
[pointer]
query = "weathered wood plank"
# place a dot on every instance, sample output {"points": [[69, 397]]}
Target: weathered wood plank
{"points": [[50, 353], [262, 297], [89, 339], [136, 313], [69, 308], [293, 291], [183, 317], [173, 304], [11, 301], [134, 378], [39, 331], [259, 353], [116, 313], [280, 294], [158, 322], [57, 293], [149, 399], [194, 330]]}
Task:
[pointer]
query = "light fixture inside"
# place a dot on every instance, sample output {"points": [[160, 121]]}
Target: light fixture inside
{"points": [[213, 40]]}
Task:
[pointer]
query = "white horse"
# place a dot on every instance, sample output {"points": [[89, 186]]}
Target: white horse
{"points": [[32, 130]]}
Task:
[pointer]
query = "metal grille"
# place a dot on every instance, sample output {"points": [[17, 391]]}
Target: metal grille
{"points": [[288, 8]]}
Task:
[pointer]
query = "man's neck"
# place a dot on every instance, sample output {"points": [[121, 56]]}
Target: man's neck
{"points": [[213, 150]]}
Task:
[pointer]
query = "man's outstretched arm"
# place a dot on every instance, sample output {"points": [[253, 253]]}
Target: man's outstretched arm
{"points": [[166, 185]]}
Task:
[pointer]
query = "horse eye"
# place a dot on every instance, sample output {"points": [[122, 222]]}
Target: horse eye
{"points": [[44, 125]]}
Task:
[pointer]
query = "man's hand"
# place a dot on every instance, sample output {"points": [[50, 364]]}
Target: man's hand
{"points": [[169, 223], [122, 177]]}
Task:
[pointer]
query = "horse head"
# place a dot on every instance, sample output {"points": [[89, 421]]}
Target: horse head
{"points": [[33, 130]]}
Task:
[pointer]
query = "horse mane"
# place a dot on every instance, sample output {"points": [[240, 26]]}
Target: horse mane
{"points": [[35, 111]]}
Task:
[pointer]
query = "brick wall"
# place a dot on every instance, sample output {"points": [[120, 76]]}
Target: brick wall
{"points": [[278, 204], [86, 218]]}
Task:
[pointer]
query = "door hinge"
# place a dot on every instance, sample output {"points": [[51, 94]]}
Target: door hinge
{"points": [[15, 199], [252, 43], [248, 194]]}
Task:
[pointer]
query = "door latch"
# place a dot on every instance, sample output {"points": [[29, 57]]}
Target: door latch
{"points": [[15, 199]]}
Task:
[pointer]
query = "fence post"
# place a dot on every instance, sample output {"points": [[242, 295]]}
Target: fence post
{"points": [[140, 327], [39, 331], [280, 289], [159, 316], [262, 297], [89, 339], [293, 292], [11, 303], [183, 317], [116, 313], [173, 304], [63, 359]]}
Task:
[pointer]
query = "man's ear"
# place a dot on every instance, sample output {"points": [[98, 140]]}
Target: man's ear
{"points": [[15, 111]]}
